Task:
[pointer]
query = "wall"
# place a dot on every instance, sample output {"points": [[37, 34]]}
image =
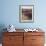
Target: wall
{"points": [[10, 13]]}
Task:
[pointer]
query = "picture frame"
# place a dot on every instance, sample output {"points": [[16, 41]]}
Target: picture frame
{"points": [[26, 13]]}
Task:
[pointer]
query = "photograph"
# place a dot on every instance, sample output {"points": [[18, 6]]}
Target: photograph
{"points": [[26, 13]]}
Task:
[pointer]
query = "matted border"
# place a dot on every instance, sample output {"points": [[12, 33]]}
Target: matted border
{"points": [[27, 9]]}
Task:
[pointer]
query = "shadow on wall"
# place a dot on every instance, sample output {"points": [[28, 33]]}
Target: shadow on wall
{"points": [[2, 26]]}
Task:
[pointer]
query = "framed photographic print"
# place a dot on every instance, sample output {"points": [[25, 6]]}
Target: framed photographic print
{"points": [[26, 13]]}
